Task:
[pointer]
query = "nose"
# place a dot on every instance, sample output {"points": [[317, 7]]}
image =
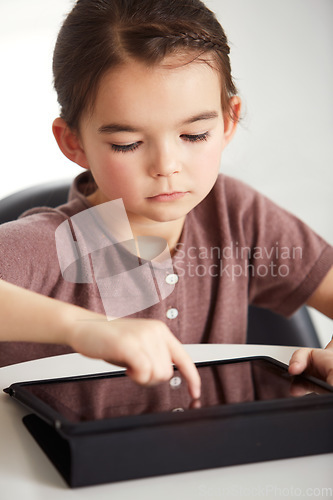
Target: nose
{"points": [[165, 162]]}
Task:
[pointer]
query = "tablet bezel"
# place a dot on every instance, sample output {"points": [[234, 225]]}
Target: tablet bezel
{"points": [[69, 428]]}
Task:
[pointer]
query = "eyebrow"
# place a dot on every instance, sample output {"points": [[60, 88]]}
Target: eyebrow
{"points": [[208, 115], [118, 127]]}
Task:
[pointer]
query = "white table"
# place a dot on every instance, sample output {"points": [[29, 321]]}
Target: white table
{"points": [[26, 473]]}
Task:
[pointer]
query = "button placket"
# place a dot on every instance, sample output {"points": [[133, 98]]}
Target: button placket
{"points": [[172, 279]]}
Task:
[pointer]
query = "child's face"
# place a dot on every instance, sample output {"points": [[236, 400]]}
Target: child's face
{"points": [[155, 138]]}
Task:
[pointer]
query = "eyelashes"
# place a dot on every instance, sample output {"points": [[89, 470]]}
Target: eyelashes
{"points": [[124, 149], [195, 138], [132, 147]]}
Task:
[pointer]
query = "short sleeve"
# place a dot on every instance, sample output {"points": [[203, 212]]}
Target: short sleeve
{"points": [[27, 251], [283, 258]]}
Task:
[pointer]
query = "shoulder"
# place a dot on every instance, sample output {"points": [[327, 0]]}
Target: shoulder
{"points": [[38, 221], [241, 213], [244, 205], [234, 192], [231, 202], [44, 220], [30, 241]]}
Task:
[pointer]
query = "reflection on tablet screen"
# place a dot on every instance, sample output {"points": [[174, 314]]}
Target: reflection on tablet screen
{"points": [[115, 396]]}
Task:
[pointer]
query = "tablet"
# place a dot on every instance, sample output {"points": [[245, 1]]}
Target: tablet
{"points": [[70, 402], [251, 408]]}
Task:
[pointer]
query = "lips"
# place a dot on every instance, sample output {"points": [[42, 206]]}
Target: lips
{"points": [[176, 195]]}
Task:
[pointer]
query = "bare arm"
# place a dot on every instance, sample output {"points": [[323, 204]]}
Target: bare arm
{"points": [[322, 298], [318, 362], [146, 348]]}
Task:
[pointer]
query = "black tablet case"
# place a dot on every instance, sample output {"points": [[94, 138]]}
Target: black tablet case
{"points": [[143, 452], [238, 434]]}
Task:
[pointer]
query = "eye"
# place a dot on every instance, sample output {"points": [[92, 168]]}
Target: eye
{"points": [[126, 148], [196, 137]]}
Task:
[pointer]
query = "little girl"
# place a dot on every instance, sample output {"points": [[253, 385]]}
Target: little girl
{"points": [[148, 105]]}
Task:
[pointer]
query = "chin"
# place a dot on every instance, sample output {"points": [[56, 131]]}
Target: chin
{"points": [[168, 219], [169, 216]]}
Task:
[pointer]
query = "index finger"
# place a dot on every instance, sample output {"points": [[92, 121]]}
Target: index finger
{"points": [[186, 367]]}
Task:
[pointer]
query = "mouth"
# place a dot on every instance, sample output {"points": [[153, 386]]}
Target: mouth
{"points": [[176, 195]]}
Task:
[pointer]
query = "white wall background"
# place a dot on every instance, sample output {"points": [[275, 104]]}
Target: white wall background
{"points": [[281, 53]]}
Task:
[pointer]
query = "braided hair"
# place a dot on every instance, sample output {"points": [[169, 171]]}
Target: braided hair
{"points": [[98, 35]]}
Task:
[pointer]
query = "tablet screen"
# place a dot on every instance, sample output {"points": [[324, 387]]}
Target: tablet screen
{"points": [[109, 395]]}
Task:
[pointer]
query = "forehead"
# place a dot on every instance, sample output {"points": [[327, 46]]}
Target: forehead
{"points": [[163, 93]]}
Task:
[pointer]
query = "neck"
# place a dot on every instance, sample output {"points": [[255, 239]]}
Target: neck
{"points": [[170, 231]]}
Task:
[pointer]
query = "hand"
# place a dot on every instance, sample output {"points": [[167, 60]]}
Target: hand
{"points": [[316, 362], [146, 347]]}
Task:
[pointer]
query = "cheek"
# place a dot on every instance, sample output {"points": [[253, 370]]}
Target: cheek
{"points": [[208, 161], [110, 166], [214, 156], [116, 176]]}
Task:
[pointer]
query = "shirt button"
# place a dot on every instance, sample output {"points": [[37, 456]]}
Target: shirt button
{"points": [[172, 313], [175, 382], [172, 279]]}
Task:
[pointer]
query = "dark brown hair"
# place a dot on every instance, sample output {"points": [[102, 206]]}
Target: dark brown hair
{"points": [[98, 35]]}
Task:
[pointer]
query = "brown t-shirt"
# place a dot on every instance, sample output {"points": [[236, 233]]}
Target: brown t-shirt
{"points": [[237, 247]]}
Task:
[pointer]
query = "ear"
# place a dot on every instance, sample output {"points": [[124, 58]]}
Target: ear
{"points": [[69, 142], [231, 119]]}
